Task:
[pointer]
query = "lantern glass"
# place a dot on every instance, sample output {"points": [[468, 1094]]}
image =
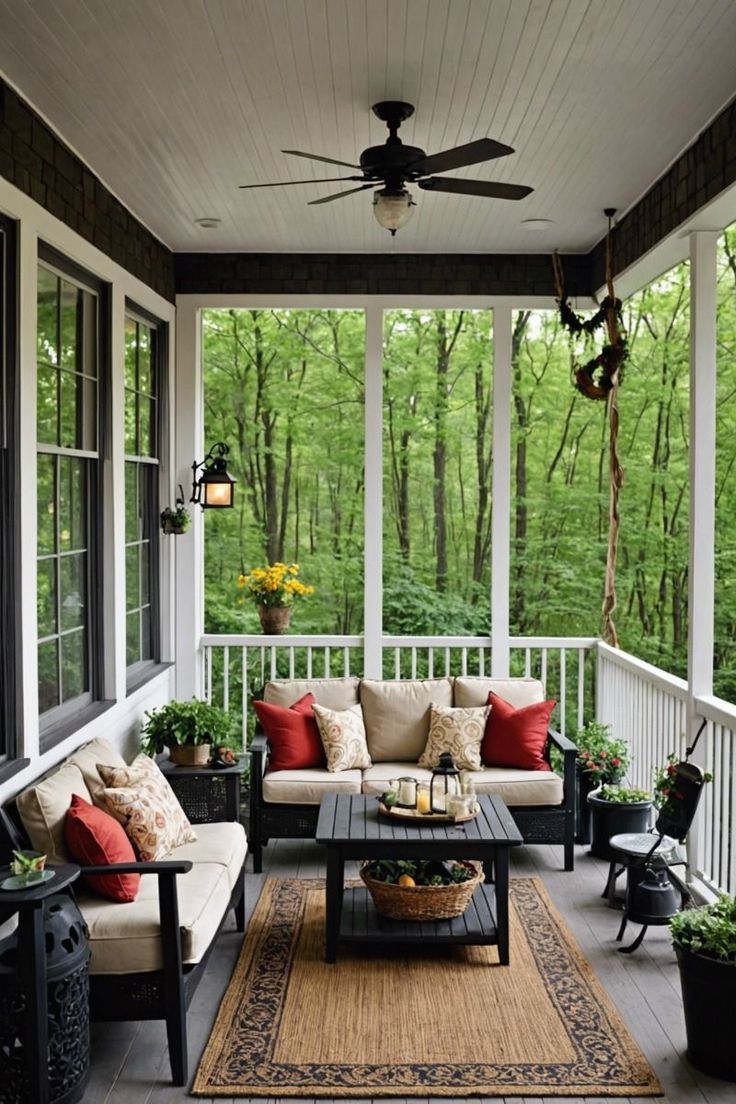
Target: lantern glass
{"points": [[445, 780], [217, 494]]}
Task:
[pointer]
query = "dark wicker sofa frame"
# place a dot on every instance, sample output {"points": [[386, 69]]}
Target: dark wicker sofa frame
{"points": [[156, 995], [537, 823]]}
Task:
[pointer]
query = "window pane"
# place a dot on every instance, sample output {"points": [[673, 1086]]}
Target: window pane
{"points": [[146, 649], [71, 301], [132, 638], [48, 676], [46, 597], [132, 528], [132, 583], [47, 383], [46, 335], [147, 416], [72, 526], [78, 397], [72, 574], [88, 334], [74, 679], [145, 350], [131, 375], [145, 573], [131, 436], [46, 504]]}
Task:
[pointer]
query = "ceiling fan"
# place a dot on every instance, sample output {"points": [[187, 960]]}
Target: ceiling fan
{"points": [[390, 167]]}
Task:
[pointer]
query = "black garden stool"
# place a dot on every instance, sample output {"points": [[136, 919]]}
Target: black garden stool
{"points": [[45, 1057]]}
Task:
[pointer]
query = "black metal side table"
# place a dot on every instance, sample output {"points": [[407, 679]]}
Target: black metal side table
{"points": [[35, 967], [207, 794]]}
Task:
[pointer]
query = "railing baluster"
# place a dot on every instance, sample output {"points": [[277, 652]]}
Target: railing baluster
{"points": [[448, 664], [226, 678], [208, 689], [430, 663], [464, 661], [328, 662], [413, 663], [563, 692], [309, 661], [581, 687], [244, 696], [397, 663]]}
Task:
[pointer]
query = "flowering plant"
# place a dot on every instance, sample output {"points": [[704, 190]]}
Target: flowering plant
{"points": [[600, 757], [667, 791], [274, 585]]}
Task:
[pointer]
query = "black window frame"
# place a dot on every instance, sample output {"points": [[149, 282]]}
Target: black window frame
{"points": [[61, 720], [138, 673], [11, 728]]}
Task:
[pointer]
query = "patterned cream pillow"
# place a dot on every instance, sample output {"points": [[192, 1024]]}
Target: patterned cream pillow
{"points": [[459, 731], [343, 737], [145, 804]]}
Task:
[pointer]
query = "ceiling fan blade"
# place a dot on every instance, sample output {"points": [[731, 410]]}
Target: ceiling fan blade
{"points": [[316, 157], [285, 183], [484, 149], [339, 195], [475, 187]]}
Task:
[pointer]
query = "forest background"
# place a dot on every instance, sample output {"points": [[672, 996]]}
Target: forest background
{"points": [[285, 389]]}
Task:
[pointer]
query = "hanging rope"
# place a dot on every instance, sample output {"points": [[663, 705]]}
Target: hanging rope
{"points": [[599, 379]]}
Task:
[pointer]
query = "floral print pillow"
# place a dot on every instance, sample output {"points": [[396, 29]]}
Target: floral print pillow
{"points": [[140, 798]]}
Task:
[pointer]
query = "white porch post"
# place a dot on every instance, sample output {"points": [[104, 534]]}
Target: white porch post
{"points": [[189, 549], [373, 509], [703, 302], [501, 512]]}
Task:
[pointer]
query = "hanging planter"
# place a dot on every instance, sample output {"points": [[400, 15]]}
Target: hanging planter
{"points": [[175, 519]]}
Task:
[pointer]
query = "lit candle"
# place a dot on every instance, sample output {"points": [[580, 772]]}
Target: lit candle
{"points": [[423, 803]]}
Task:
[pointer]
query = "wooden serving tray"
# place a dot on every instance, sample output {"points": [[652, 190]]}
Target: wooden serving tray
{"points": [[397, 812]]}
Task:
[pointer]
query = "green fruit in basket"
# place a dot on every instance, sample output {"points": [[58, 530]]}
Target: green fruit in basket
{"points": [[390, 798]]}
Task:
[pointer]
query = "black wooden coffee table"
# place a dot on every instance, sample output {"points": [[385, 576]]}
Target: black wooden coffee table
{"points": [[351, 827]]}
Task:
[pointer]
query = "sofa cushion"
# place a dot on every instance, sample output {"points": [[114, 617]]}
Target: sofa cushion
{"points": [[43, 808], [93, 837], [307, 787], [88, 756], [378, 778], [520, 787], [126, 939], [293, 735], [343, 737], [516, 737], [458, 731], [518, 691], [396, 715], [336, 693]]}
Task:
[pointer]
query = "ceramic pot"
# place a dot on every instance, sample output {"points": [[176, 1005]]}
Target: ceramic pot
{"points": [[274, 619], [708, 1001], [611, 818]]}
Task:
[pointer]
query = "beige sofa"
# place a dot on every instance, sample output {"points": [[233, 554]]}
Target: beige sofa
{"points": [[284, 803], [146, 955]]}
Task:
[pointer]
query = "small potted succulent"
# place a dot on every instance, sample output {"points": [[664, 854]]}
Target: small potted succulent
{"points": [[705, 945], [188, 729], [600, 760], [175, 519]]}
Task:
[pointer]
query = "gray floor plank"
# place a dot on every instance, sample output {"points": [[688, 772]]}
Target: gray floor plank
{"points": [[130, 1061]]}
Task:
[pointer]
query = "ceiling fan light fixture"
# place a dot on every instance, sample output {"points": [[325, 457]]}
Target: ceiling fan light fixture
{"points": [[393, 208]]}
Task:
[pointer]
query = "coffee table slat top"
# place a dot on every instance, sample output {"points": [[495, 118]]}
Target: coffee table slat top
{"points": [[351, 818]]}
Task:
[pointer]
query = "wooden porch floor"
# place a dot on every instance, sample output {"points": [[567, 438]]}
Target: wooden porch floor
{"points": [[130, 1061]]}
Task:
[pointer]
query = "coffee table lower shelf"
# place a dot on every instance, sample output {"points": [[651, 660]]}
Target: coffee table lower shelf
{"points": [[361, 923]]}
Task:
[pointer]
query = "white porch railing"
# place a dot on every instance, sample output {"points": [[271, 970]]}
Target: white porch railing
{"points": [[649, 709], [236, 665]]}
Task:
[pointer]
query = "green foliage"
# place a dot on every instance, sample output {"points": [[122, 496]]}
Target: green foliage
{"points": [[710, 930], [620, 795], [188, 722], [423, 871], [177, 517], [603, 759]]}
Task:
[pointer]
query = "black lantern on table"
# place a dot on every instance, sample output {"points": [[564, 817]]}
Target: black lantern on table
{"points": [[215, 488], [445, 780]]}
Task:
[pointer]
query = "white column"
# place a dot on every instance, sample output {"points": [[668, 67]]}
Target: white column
{"points": [[701, 575], [501, 514], [113, 467], [373, 510], [189, 548]]}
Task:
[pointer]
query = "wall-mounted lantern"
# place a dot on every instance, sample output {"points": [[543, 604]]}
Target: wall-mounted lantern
{"points": [[215, 487]]}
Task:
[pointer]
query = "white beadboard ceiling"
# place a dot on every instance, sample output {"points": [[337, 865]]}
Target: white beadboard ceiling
{"points": [[173, 103]]}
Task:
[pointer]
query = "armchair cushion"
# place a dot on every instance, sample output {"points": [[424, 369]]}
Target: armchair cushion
{"points": [[307, 787]]}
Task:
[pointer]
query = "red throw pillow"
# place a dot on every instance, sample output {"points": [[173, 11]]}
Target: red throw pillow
{"points": [[293, 737], [94, 837], [516, 737]]}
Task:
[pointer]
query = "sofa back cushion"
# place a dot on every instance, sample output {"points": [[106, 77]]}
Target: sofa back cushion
{"points": [[293, 735], [88, 756], [43, 808], [473, 692], [396, 715], [335, 693]]}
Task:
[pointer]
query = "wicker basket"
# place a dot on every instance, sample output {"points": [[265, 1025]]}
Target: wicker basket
{"points": [[190, 755], [422, 902]]}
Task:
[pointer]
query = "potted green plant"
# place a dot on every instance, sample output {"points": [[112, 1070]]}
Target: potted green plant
{"points": [[614, 810], [600, 760], [705, 945], [187, 728], [175, 519]]}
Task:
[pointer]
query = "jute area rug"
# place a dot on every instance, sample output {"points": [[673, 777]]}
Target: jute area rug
{"points": [[438, 1022]]}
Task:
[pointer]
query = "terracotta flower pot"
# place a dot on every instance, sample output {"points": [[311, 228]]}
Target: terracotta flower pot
{"points": [[274, 619]]}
